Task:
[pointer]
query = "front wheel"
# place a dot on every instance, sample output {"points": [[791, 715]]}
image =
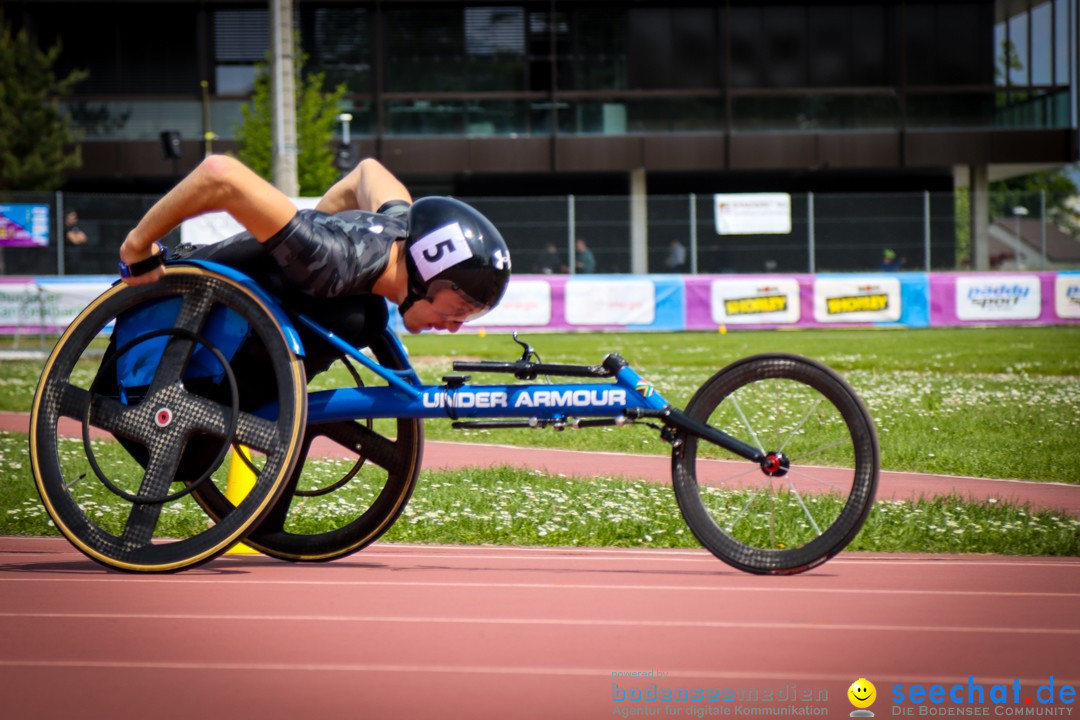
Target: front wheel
{"points": [[814, 487]]}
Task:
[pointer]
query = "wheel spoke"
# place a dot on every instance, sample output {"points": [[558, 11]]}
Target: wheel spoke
{"points": [[143, 519], [802, 456], [257, 433], [772, 518], [174, 360], [801, 423], [120, 420], [806, 510], [71, 401], [367, 443], [746, 423], [813, 478], [734, 522], [274, 522], [212, 418], [778, 412]]}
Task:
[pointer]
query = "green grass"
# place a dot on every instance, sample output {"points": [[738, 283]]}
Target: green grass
{"points": [[522, 507], [998, 402], [986, 402]]}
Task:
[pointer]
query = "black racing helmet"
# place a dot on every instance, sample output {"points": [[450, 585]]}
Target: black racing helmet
{"points": [[451, 245]]}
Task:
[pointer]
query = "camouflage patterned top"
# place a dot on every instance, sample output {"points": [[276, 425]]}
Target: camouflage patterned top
{"points": [[318, 254]]}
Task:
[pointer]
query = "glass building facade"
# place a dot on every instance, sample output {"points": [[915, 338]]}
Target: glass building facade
{"points": [[711, 72]]}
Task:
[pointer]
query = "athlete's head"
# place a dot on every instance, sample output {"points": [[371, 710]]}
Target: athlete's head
{"points": [[457, 262]]}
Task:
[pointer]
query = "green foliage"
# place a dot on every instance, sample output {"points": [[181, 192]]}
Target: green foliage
{"points": [[316, 113], [35, 137], [962, 227], [1028, 192]]}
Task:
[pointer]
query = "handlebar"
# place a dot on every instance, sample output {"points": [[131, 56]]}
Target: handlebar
{"points": [[527, 370]]}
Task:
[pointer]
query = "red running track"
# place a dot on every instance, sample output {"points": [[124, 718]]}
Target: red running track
{"points": [[404, 632]]}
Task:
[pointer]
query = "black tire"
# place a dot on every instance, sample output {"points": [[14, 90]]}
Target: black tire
{"points": [[392, 468], [119, 522], [805, 504]]}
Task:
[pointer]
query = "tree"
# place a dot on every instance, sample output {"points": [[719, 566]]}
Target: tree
{"points": [[1054, 187], [37, 143], [316, 113]]}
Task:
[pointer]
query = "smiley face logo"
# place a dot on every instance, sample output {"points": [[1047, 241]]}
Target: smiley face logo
{"points": [[862, 693]]}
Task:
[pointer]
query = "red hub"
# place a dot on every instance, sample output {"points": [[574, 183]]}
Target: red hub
{"points": [[775, 464], [163, 417]]}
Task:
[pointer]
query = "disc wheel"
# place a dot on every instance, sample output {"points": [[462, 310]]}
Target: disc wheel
{"points": [[814, 487], [122, 503], [311, 525]]}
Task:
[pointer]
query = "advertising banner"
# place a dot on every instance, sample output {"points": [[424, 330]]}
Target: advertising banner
{"points": [[527, 303], [998, 297], [855, 299], [24, 224], [752, 213], [46, 304], [610, 302], [1067, 296], [753, 302], [1003, 299], [65, 298], [20, 305]]}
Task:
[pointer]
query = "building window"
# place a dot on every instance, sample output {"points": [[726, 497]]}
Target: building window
{"points": [[455, 49], [596, 55], [241, 41], [337, 41]]}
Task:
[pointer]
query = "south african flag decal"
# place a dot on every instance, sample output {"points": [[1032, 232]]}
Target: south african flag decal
{"points": [[646, 389]]}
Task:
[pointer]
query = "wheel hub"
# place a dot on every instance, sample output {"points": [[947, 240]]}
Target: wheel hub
{"points": [[163, 417], [775, 464]]}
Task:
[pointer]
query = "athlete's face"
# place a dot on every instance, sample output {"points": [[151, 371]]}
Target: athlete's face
{"points": [[445, 311]]}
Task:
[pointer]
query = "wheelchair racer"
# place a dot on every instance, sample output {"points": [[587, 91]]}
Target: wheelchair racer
{"points": [[439, 260]]}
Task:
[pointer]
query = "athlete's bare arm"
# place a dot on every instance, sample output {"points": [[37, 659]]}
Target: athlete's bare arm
{"points": [[367, 187], [218, 183]]}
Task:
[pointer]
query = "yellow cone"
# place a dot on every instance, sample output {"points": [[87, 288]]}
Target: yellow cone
{"points": [[239, 483]]}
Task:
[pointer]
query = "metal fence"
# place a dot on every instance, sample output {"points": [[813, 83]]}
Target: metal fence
{"points": [[829, 233]]}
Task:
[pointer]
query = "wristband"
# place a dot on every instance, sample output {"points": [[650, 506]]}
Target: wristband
{"points": [[144, 266]]}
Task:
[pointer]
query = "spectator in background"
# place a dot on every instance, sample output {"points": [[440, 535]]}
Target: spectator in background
{"points": [[586, 262], [676, 258], [550, 263], [72, 232], [891, 263]]}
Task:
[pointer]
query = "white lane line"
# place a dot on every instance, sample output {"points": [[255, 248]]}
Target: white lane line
{"points": [[674, 674], [571, 622], [485, 552], [188, 580]]}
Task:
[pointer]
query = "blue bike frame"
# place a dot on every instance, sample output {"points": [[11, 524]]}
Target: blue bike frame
{"points": [[548, 402], [625, 397]]}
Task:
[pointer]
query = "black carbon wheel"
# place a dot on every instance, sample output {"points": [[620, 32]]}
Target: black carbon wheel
{"points": [[810, 496], [122, 510], [309, 525]]}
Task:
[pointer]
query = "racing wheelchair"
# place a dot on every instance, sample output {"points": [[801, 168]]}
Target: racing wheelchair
{"points": [[775, 459]]}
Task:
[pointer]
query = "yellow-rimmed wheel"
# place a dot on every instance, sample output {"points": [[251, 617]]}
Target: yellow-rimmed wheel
{"points": [[162, 388]]}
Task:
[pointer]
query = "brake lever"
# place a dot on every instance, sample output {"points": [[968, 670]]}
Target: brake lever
{"points": [[527, 352]]}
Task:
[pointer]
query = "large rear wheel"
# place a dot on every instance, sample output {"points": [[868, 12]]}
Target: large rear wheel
{"points": [[119, 503]]}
